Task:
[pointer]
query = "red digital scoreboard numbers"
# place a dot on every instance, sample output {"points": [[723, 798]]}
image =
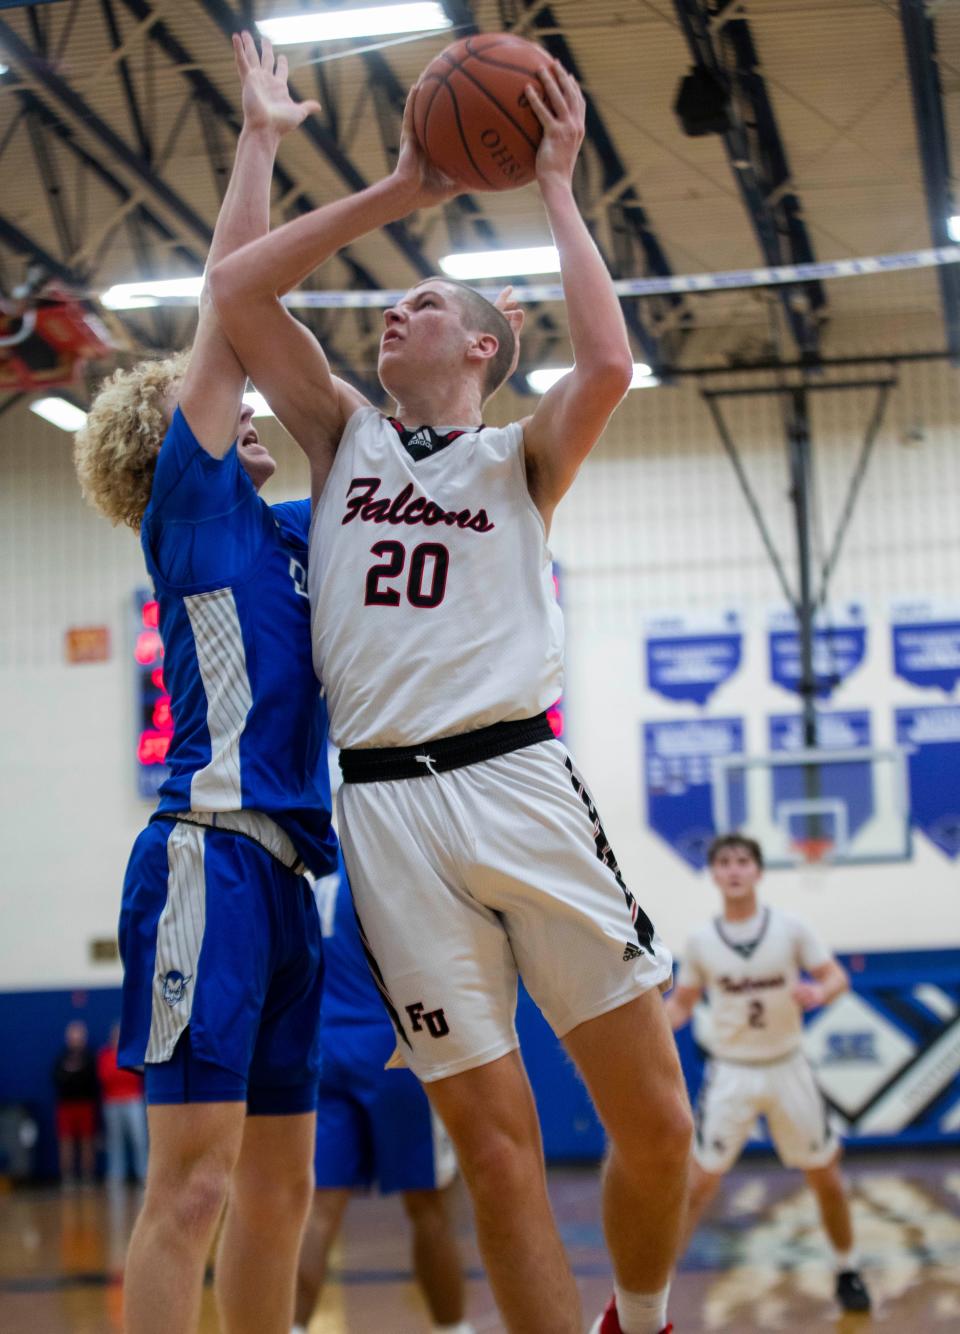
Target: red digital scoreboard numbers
{"points": [[153, 714]]}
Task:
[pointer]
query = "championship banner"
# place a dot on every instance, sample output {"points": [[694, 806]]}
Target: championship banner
{"points": [[678, 760], [849, 784], [688, 656], [839, 647], [933, 736], [926, 642]]}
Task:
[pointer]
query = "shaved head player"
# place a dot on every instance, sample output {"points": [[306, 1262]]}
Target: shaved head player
{"points": [[473, 845]]}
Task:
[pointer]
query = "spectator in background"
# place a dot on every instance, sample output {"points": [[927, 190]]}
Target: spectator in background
{"points": [[124, 1114], [77, 1093]]}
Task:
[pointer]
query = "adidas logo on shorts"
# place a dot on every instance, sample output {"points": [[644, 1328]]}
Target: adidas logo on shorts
{"points": [[630, 952]]}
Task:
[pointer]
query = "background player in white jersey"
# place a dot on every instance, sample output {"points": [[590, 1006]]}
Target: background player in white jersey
{"points": [[375, 1127], [750, 961], [219, 930], [472, 844]]}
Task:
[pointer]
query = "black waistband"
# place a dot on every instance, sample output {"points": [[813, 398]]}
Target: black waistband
{"points": [[384, 764]]}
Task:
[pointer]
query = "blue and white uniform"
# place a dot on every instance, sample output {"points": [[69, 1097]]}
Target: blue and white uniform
{"points": [[374, 1126], [218, 928]]}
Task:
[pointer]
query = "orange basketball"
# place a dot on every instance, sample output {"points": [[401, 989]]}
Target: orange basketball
{"points": [[471, 114]]}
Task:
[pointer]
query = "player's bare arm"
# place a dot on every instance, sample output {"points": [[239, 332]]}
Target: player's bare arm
{"points": [[212, 389], [679, 1005], [830, 980], [286, 362], [570, 417]]}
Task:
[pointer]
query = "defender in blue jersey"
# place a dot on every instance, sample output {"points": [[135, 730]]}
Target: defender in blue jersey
{"points": [[219, 931], [374, 1127]]}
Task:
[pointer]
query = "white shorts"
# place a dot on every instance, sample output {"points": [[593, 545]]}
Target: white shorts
{"points": [[785, 1092], [462, 879]]}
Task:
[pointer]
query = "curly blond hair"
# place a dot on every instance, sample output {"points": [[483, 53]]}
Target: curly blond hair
{"points": [[115, 452]]}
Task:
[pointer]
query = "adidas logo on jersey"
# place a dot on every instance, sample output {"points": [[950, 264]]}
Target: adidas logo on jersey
{"points": [[630, 952]]}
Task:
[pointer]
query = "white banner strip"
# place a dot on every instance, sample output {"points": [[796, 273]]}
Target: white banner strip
{"points": [[731, 280]]}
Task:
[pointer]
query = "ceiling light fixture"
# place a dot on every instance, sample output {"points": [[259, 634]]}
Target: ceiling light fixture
{"points": [[501, 263], [58, 412], [337, 25], [543, 379], [131, 296], [256, 400]]}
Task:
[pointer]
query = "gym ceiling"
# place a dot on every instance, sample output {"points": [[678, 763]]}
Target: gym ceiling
{"points": [[119, 118]]}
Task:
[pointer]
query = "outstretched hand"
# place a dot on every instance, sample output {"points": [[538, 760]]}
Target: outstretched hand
{"points": [[414, 170], [515, 315], [561, 109], [267, 104]]}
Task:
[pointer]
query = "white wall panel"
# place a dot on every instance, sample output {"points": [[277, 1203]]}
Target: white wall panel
{"points": [[654, 521]]}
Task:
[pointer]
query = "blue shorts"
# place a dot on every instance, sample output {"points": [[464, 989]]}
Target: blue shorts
{"points": [[222, 971], [375, 1126]]}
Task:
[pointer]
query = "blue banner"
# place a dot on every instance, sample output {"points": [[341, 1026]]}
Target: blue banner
{"points": [[934, 767], [690, 655], [926, 643], [678, 774], [839, 647], [849, 783]]}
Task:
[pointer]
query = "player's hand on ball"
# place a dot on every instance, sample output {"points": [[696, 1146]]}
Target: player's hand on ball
{"points": [[809, 995], [426, 183], [515, 315], [267, 104], [561, 109]]}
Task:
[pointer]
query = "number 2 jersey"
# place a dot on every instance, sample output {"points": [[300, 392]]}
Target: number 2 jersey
{"points": [[748, 970], [431, 585], [229, 573]]}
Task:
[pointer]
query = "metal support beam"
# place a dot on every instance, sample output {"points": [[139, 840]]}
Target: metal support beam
{"points": [[920, 40], [800, 460], [757, 156], [129, 91], [44, 76], [15, 239], [630, 218]]}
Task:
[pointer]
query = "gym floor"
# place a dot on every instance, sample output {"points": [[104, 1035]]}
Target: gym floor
{"points": [[758, 1263]]}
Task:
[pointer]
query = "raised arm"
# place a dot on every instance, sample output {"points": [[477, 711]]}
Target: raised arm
{"points": [[285, 360], [571, 415], [213, 386]]}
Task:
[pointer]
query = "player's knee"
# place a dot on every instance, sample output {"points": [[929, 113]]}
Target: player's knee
{"points": [[191, 1201], [663, 1132], [275, 1198], [499, 1163]]}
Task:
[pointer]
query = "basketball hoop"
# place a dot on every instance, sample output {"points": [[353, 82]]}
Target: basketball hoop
{"points": [[814, 851]]}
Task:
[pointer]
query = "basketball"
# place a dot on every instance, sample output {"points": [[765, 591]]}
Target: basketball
{"points": [[471, 114]]}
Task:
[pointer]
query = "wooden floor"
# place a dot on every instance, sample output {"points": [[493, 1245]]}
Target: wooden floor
{"points": [[758, 1263]]}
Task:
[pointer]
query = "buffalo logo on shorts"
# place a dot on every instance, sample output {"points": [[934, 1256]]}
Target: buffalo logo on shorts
{"points": [[175, 987]]}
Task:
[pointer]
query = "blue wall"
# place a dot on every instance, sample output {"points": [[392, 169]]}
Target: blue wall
{"points": [[910, 999]]}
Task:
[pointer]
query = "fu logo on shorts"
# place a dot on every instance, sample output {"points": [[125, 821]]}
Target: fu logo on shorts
{"points": [[175, 987], [435, 1020]]}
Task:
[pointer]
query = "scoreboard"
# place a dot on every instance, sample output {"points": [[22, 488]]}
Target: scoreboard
{"points": [[154, 719]]}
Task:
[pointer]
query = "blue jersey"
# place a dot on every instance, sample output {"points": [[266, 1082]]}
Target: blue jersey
{"points": [[229, 571], [350, 996]]}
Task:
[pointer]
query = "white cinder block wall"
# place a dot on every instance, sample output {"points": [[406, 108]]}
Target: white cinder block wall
{"points": [[654, 522]]}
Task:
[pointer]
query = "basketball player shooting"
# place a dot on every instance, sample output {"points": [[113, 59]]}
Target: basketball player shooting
{"points": [[472, 843], [750, 961]]}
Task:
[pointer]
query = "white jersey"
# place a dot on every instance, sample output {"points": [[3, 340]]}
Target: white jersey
{"points": [[431, 587], [753, 1016]]}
